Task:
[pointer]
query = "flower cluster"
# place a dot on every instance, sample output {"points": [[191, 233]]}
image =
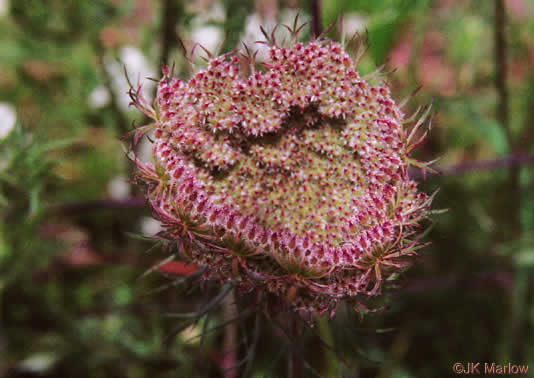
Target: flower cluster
{"points": [[289, 178]]}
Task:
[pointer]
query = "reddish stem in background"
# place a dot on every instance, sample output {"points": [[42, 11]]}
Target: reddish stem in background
{"points": [[501, 68], [503, 114], [296, 362], [169, 12], [518, 325], [178, 268], [316, 23], [230, 344], [77, 207], [510, 161]]}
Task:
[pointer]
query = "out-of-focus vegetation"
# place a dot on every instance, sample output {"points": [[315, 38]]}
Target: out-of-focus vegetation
{"points": [[71, 300]]}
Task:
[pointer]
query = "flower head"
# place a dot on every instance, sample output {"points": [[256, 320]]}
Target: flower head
{"points": [[291, 178]]}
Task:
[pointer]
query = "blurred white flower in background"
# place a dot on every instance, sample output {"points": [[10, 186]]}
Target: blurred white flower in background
{"points": [[119, 188], [144, 148], [8, 118], [287, 17], [138, 68], [191, 335], [38, 363], [99, 97], [4, 8], [213, 13], [353, 23], [149, 226], [205, 29], [209, 36], [253, 33]]}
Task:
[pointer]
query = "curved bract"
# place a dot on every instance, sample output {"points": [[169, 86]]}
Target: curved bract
{"points": [[291, 179]]}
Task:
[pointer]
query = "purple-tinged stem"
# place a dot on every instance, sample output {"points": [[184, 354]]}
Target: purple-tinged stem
{"points": [[510, 161], [296, 362], [315, 9]]}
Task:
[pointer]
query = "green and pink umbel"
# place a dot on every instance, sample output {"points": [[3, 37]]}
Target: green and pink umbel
{"points": [[288, 177]]}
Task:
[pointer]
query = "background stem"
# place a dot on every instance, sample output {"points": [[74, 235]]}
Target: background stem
{"points": [[296, 361], [316, 24]]}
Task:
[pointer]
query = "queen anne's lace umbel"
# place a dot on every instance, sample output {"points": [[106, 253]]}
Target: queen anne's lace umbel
{"points": [[292, 179]]}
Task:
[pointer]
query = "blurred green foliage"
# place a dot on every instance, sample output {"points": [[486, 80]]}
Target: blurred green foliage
{"points": [[71, 303]]}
